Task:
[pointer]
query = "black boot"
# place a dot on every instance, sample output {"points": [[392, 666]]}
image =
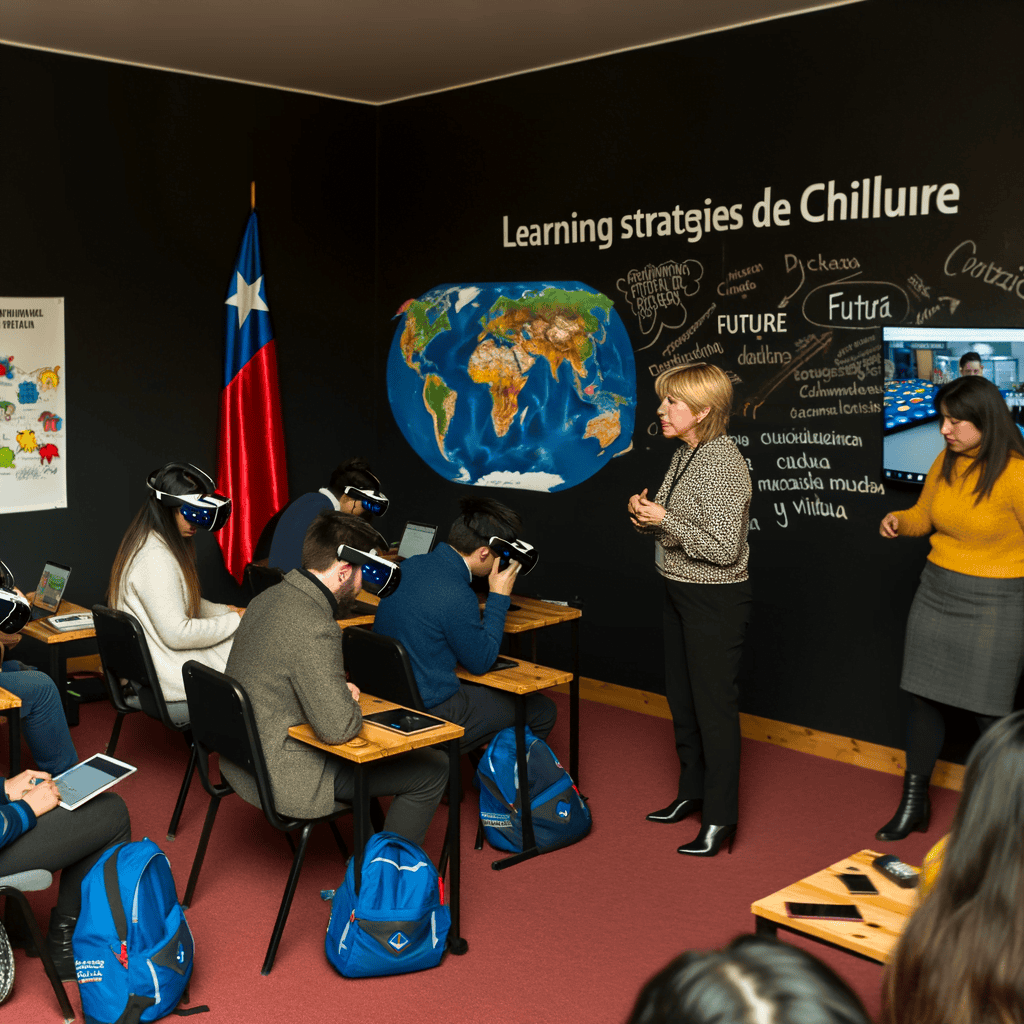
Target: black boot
{"points": [[914, 812], [58, 943], [676, 811], [709, 840]]}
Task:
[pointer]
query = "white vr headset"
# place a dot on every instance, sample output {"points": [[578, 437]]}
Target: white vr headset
{"points": [[15, 611], [380, 576]]}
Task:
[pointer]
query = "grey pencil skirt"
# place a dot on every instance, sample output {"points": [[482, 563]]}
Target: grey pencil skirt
{"points": [[965, 640]]}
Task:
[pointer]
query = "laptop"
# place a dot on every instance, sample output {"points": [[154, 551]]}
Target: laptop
{"points": [[417, 539], [50, 590]]}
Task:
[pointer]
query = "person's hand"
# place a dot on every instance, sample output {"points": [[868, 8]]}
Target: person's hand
{"points": [[18, 786], [354, 690], [42, 798], [501, 581], [644, 512], [890, 527], [235, 608]]}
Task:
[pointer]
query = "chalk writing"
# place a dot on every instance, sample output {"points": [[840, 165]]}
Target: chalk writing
{"points": [[963, 260], [855, 305], [660, 290], [807, 348]]}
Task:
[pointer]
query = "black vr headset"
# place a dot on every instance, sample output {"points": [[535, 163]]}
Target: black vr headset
{"points": [[375, 502], [15, 611], [205, 509], [380, 576], [520, 550]]}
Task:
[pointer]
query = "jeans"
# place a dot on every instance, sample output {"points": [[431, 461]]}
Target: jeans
{"points": [[42, 717]]}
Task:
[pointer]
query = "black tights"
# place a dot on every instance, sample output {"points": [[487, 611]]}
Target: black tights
{"points": [[926, 732]]}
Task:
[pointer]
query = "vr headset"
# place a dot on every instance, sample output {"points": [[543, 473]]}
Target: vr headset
{"points": [[15, 611], [375, 502], [205, 509], [506, 550], [380, 576]]}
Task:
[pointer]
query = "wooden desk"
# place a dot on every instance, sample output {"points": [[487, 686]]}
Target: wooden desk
{"points": [[885, 915], [525, 678], [10, 708], [373, 743], [56, 652]]}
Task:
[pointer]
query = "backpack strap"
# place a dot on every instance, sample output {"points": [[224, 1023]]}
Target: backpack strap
{"points": [[113, 891], [496, 792]]}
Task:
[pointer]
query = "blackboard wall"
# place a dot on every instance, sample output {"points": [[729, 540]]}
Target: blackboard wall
{"points": [[126, 191]]}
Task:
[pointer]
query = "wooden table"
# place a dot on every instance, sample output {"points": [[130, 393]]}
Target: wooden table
{"points": [[885, 915], [56, 651], [525, 614], [373, 743], [10, 708], [525, 678]]}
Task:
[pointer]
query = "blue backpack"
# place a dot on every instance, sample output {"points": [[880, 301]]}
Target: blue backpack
{"points": [[133, 947], [560, 816], [398, 922]]}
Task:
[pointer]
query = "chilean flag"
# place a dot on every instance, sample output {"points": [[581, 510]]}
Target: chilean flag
{"points": [[250, 461]]}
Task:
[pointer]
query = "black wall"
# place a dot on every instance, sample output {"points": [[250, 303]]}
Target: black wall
{"points": [[126, 191]]}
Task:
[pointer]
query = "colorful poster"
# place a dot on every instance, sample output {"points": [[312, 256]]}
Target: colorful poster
{"points": [[33, 455]]}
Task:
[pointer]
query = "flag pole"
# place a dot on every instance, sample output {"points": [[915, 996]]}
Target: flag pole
{"points": [[252, 196]]}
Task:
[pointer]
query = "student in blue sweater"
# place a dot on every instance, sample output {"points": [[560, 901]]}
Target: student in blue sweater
{"points": [[436, 616]]}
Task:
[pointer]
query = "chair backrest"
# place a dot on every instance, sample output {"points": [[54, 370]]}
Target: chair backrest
{"points": [[223, 723], [124, 653], [379, 665], [261, 577]]}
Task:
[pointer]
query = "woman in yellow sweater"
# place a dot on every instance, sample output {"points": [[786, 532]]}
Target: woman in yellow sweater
{"points": [[965, 641]]}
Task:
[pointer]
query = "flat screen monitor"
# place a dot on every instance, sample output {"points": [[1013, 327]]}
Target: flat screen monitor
{"points": [[918, 361], [417, 539]]}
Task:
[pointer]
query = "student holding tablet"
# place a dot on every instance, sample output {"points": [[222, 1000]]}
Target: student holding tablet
{"points": [[155, 577], [35, 832]]}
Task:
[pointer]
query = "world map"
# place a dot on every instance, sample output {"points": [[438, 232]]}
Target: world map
{"points": [[526, 385]]}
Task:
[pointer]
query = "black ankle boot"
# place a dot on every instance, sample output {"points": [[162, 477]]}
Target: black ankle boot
{"points": [[709, 840], [58, 943], [676, 811], [914, 812]]}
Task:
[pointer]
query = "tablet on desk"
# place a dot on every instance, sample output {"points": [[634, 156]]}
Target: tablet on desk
{"points": [[80, 784], [404, 721]]}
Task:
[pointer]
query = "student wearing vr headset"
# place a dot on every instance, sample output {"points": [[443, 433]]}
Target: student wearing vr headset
{"points": [[155, 577], [287, 656], [436, 617], [353, 488]]}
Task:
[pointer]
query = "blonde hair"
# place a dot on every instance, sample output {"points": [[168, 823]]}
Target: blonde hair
{"points": [[701, 386]]}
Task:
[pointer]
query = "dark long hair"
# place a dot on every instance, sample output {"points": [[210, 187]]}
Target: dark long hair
{"points": [[978, 401], [960, 959], [155, 516], [755, 978]]}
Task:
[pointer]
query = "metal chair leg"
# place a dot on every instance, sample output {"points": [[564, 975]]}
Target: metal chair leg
{"points": [[115, 734], [204, 839], [183, 793], [339, 840], [286, 902]]}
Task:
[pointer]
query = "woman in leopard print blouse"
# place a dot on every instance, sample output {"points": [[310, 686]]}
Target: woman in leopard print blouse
{"points": [[699, 522]]}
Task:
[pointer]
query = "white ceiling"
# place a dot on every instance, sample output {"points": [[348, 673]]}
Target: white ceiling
{"points": [[371, 51]]}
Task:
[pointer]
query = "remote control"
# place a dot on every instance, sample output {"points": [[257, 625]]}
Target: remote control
{"points": [[896, 871]]}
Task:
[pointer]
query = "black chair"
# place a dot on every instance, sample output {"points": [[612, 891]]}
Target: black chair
{"points": [[223, 723], [380, 665], [261, 577], [127, 663]]}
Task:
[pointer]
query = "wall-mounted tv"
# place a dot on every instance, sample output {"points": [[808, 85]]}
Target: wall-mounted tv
{"points": [[918, 361]]}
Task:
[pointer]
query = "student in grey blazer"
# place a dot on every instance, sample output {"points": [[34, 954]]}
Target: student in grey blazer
{"points": [[287, 657]]}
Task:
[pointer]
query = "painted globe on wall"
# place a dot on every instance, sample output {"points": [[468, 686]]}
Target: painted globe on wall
{"points": [[529, 385]]}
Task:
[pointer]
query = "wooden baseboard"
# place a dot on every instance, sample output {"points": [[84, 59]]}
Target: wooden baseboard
{"points": [[795, 737]]}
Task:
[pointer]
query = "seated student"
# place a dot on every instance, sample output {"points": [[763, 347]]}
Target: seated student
{"points": [[287, 657], [155, 577], [37, 833], [436, 617], [349, 482], [756, 979]]}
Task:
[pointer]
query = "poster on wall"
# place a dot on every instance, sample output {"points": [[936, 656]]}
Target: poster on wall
{"points": [[33, 456], [526, 385]]}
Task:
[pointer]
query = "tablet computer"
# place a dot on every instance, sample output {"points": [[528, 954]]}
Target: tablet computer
{"points": [[403, 720], [95, 774]]}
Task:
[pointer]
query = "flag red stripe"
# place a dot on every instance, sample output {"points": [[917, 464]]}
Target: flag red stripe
{"points": [[250, 459]]}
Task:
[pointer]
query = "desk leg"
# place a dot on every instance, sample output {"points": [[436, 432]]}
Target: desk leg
{"points": [[529, 839], [361, 828], [58, 669], [574, 706], [762, 926], [456, 943]]}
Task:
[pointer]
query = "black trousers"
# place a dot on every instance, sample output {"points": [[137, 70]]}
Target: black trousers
{"points": [[484, 712], [705, 625]]}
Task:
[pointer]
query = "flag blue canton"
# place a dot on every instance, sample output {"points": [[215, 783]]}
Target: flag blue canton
{"points": [[245, 340]]}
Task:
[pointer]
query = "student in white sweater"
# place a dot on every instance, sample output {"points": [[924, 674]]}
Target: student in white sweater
{"points": [[155, 578]]}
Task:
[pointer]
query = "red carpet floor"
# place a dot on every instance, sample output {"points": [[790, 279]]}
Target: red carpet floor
{"points": [[568, 937]]}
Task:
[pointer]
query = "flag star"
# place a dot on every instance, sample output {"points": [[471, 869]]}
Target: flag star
{"points": [[247, 298]]}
